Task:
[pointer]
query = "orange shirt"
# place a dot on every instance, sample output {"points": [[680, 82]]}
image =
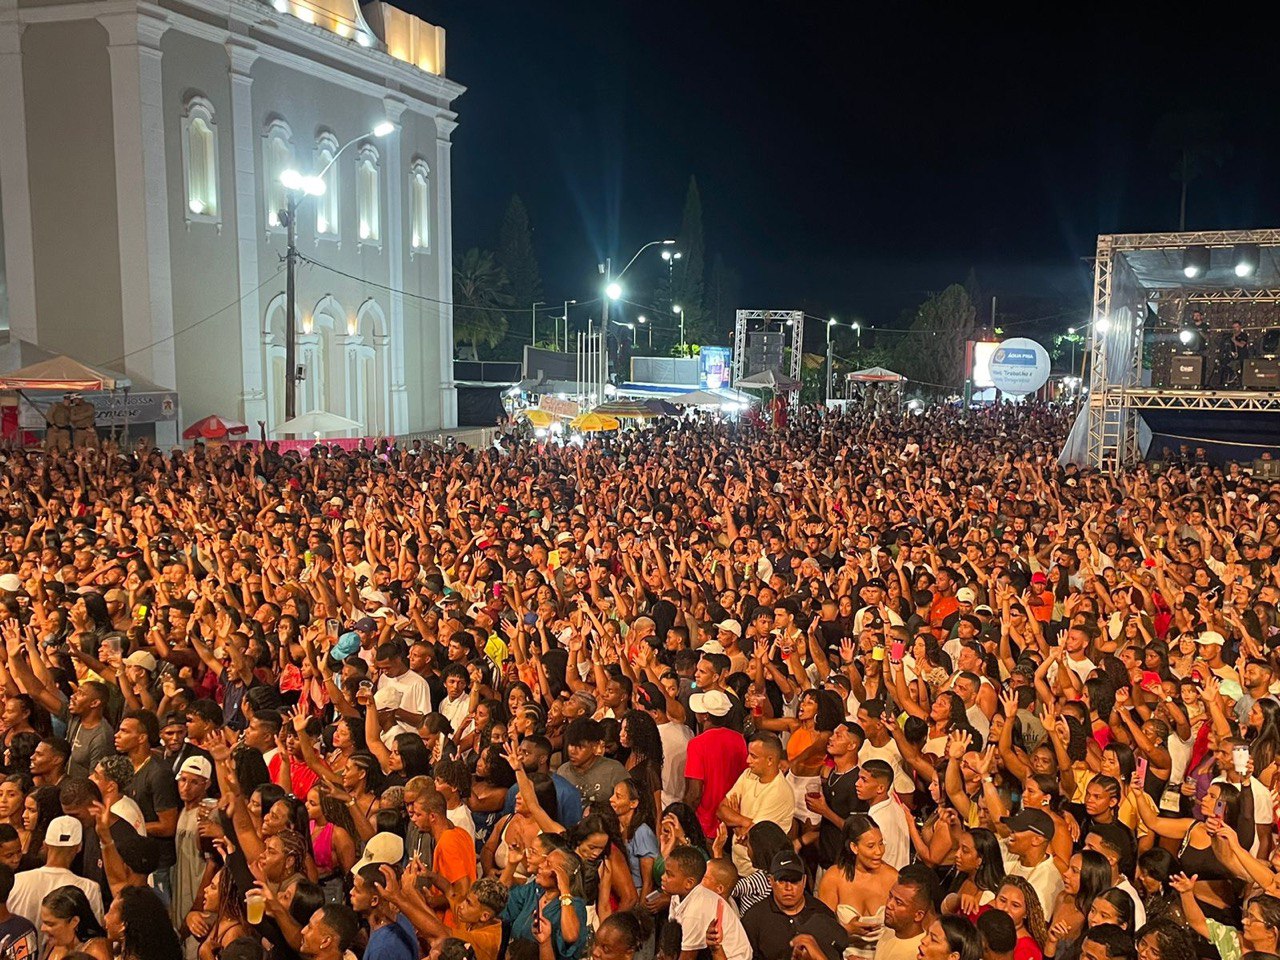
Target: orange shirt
{"points": [[942, 608], [455, 859]]}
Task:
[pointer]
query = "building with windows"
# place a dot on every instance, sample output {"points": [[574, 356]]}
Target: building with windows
{"points": [[141, 148]]}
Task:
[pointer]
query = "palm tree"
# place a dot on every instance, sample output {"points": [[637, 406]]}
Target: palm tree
{"points": [[480, 299], [1195, 139]]}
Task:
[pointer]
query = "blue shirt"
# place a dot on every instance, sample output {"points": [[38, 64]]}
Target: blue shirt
{"points": [[643, 845], [568, 801], [395, 941], [518, 916]]}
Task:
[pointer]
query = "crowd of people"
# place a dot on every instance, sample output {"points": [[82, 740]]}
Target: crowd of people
{"points": [[879, 685]]}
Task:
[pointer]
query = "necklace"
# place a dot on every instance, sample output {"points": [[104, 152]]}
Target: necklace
{"points": [[833, 778]]}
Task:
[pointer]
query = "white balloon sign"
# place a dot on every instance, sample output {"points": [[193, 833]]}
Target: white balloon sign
{"points": [[1019, 366]]}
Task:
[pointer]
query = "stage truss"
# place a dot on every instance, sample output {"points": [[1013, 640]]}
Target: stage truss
{"points": [[1123, 291], [763, 318]]}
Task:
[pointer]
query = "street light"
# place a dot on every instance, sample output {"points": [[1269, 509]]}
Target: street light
{"points": [[679, 311], [857, 328], [298, 186], [630, 326], [565, 318], [643, 321], [612, 286], [830, 323]]}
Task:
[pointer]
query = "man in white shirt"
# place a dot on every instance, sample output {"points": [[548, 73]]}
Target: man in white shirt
{"points": [[760, 793], [392, 663], [696, 907], [1027, 854], [457, 702], [61, 844], [874, 786]]}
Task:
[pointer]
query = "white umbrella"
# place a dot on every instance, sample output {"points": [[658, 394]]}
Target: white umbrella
{"points": [[317, 422], [769, 380], [699, 398]]}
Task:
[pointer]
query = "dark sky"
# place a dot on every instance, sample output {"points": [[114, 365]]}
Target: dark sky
{"points": [[848, 162]]}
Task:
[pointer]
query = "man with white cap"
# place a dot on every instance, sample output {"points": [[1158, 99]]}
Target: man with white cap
{"points": [[1209, 649], [194, 776], [715, 758], [729, 636], [62, 842]]}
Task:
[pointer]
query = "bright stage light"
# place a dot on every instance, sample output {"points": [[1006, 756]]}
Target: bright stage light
{"points": [[1195, 262], [1186, 336], [1102, 325], [1247, 255]]}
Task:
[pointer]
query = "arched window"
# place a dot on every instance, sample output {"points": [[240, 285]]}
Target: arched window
{"points": [[368, 199], [420, 211], [277, 157], [327, 203], [200, 161]]}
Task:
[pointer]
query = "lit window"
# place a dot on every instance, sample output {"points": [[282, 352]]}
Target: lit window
{"points": [[277, 157], [420, 193], [327, 203], [368, 200], [200, 159]]}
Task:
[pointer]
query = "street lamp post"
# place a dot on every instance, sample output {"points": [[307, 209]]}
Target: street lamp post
{"points": [[830, 323], [671, 256], [679, 311], [857, 328], [612, 284], [565, 318], [533, 322], [644, 321], [298, 187]]}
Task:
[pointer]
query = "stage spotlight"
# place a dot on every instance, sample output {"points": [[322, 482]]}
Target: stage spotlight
{"points": [[1102, 325], [1247, 255], [1186, 336], [1195, 262]]}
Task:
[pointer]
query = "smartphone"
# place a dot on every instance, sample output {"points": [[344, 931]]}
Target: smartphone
{"points": [[1220, 809], [897, 650], [1140, 774]]}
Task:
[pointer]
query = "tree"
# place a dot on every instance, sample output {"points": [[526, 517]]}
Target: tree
{"points": [[480, 301], [516, 257], [724, 291], [1195, 140], [690, 269], [933, 350]]}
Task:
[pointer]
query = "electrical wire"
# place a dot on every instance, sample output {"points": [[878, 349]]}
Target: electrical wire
{"points": [[191, 326]]}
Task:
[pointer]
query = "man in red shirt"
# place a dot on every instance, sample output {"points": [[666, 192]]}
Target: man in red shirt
{"points": [[715, 759]]}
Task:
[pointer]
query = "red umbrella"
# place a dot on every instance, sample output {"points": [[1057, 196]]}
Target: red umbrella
{"points": [[214, 428]]}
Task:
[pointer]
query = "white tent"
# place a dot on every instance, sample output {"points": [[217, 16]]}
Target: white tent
{"points": [[316, 422], [62, 374], [876, 375]]}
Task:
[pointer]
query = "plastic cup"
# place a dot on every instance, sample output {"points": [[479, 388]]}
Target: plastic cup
{"points": [[255, 905]]}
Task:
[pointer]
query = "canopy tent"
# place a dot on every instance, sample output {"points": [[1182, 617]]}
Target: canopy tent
{"points": [[707, 398], [316, 422], [624, 410], [63, 374], [876, 375], [594, 423], [769, 380]]}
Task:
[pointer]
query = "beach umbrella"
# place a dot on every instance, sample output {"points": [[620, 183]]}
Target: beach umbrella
{"points": [[214, 427], [593, 423], [316, 422], [539, 418]]}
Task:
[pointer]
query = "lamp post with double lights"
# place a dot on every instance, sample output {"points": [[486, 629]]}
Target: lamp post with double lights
{"points": [[298, 187]]}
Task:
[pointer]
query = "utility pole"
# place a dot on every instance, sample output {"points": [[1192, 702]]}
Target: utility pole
{"points": [[291, 306], [830, 373], [565, 317], [533, 322]]}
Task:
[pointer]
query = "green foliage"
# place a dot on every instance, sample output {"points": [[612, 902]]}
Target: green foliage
{"points": [[933, 350], [724, 295], [516, 257], [481, 299], [690, 268]]}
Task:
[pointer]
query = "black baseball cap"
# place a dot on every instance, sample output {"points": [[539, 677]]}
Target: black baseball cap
{"points": [[786, 866], [1035, 821]]}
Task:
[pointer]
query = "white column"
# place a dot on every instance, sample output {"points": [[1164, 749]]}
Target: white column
{"points": [[253, 395], [445, 125], [19, 247], [142, 196], [396, 403]]}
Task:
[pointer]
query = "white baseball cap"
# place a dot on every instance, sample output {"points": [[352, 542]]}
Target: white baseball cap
{"points": [[714, 702], [730, 626], [381, 848], [1211, 638], [197, 767], [64, 832]]}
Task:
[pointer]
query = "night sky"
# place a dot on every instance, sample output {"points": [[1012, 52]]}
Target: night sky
{"points": [[848, 164]]}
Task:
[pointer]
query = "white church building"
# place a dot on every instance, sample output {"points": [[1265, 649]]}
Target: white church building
{"points": [[141, 147]]}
